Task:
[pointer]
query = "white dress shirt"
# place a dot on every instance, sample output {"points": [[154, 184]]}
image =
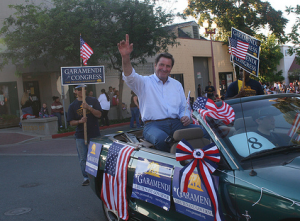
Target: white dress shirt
{"points": [[157, 100]]}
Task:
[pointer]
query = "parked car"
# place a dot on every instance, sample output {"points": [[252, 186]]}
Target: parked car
{"points": [[259, 172]]}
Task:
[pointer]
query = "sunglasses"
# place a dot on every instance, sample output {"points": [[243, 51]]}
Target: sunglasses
{"points": [[79, 89]]}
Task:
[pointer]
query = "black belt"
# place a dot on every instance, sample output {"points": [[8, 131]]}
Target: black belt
{"points": [[149, 121]]}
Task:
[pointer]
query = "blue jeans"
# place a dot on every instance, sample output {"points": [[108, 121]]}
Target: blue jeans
{"points": [[157, 131], [82, 151], [135, 116], [59, 118]]}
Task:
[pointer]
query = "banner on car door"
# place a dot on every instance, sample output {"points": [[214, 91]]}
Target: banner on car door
{"points": [[93, 158], [195, 202], [152, 182]]}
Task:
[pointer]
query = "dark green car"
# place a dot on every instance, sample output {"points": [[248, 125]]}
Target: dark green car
{"points": [[259, 172]]}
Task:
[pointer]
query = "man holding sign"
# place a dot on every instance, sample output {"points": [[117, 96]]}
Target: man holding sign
{"points": [[251, 88], [76, 118]]}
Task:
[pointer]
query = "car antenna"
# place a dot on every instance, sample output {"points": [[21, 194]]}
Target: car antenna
{"points": [[252, 172]]}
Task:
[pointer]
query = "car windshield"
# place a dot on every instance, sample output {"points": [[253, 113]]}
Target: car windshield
{"points": [[260, 125]]}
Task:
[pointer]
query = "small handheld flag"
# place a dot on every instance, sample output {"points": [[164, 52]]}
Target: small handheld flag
{"points": [[85, 51]]}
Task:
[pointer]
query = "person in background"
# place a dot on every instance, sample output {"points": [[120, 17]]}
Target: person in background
{"points": [[105, 105], [115, 98], [76, 118], [252, 88], [26, 104], [44, 111], [217, 98], [210, 90], [91, 94], [135, 111], [110, 94], [199, 90], [57, 110]]}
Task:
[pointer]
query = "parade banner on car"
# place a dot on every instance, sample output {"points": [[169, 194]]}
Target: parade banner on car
{"points": [[93, 158], [82, 75], [244, 51], [152, 182], [196, 202]]}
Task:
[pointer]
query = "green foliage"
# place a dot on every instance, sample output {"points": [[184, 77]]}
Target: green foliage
{"points": [[249, 17], [294, 36], [8, 117], [51, 34], [270, 57]]}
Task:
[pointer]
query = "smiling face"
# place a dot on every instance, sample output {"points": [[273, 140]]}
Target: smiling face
{"points": [[163, 68]]}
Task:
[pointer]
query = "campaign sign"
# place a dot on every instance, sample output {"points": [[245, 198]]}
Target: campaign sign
{"points": [[254, 44], [93, 158], [250, 64], [152, 182], [82, 75], [195, 202]]}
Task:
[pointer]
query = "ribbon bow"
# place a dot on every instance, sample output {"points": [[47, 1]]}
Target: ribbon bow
{"points": [[205, 160]]}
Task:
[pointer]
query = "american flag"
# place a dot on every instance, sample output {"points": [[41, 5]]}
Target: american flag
{"points": [[295, 126], [207, 107], [113, 192], [238, 48], [85, 51]]}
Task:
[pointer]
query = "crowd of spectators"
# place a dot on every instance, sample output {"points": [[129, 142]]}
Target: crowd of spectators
{"points": [[279, 87]]}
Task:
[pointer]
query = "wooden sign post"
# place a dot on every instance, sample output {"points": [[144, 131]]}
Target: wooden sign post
{"points": [[84, 115]]}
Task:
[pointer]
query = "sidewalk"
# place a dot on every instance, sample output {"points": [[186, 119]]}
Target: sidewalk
{"points": [[15, 135]]}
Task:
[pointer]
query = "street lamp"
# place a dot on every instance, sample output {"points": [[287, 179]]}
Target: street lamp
{"points": [[211, 31]]}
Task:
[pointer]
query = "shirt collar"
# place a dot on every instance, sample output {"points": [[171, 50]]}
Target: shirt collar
{"points": [[158, 80]]}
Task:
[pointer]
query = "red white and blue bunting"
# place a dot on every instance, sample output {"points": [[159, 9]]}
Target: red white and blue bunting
{"points": [[205, 160]]}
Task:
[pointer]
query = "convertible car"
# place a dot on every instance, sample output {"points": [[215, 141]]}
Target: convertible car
{"points": [[257, 177]]}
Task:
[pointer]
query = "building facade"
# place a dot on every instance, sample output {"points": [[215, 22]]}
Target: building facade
{"points": [[193, 66]]}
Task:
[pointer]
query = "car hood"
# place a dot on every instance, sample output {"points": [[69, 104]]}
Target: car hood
{"points": [[295, 163], [283, 179]]}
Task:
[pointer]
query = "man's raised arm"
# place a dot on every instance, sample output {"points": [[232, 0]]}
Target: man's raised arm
{"points": [[125, 50]]}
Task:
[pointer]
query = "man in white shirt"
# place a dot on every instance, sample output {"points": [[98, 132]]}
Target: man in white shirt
{"points": [[161, 98]]}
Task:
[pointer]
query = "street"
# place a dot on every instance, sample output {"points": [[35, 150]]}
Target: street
{"points": [[41, 180]]}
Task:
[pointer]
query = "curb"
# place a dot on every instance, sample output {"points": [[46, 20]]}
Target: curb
{"points": [[54, 136]]}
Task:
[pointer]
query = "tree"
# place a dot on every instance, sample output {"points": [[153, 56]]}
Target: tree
{"points": [[245, 15], [294, 36], [50, 33], [249, 17], [269, 60]]}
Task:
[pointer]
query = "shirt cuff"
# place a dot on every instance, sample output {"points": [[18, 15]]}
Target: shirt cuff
{"points": [[130, 76]]}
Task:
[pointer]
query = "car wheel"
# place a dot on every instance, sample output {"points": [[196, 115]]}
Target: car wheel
{"points": [[110, 215]]}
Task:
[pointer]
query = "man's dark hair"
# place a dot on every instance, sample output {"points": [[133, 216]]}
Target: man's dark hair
{"points": [[165, 55]]}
